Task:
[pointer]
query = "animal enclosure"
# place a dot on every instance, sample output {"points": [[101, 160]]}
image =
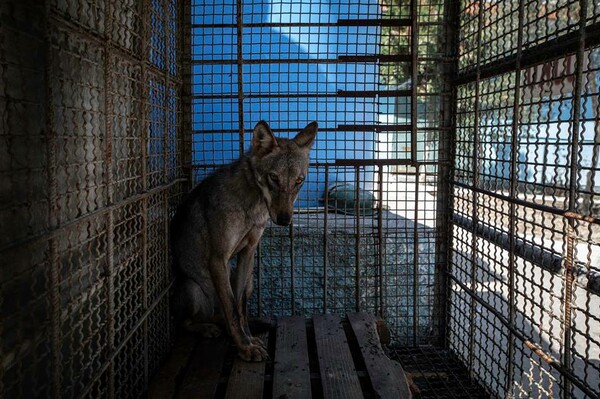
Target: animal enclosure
{"points": [[452, 188]]}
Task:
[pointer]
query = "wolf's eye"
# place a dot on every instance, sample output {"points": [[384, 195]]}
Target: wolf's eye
{"points": [[299, 180], [273, 177]]}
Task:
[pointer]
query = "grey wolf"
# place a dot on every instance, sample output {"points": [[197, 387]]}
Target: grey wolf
{"points": [[224, 217]]}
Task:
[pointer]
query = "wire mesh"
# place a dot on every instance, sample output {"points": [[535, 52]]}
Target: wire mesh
{"points": [[350, 66], [90, 172], [524, 231], [94, 158]]}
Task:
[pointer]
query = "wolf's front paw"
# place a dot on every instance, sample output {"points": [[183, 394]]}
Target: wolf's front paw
{"points": [[253, 353]]}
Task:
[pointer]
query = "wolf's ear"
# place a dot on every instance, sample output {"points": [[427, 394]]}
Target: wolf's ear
{"points": [[263, 141], [306, 137]]}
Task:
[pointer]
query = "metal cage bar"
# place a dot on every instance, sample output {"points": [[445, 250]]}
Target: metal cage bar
{"points": [[86, 223]]}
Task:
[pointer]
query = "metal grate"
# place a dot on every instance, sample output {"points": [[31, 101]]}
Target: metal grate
{"points": [[349, 65], [91, 151], [523, 305], [472, 125]]}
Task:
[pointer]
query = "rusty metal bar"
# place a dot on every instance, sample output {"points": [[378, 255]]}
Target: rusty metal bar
{"points": [[108, 154], [374, 128], [325, 238], [475, 214], [384, 162], [186, 125], [340, 22], [340, 128], [258, 280], [357, 242], [414, 71], [339, 93], [380, 238], [240, 71], [415, 279], [342, 59], [514, 156], [292, 274], [573, 172], [53, 256], [445, 199]]}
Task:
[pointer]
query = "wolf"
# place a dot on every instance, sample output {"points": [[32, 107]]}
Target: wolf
{"points": [[224, 217]]}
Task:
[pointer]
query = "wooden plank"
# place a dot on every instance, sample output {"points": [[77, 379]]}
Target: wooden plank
{"points": [[163, 384], [204, 370], [338, 373], [291, 374], [387, 377], [247, 378]]}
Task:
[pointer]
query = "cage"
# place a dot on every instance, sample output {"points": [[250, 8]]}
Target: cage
{"points": [[451, 192]]}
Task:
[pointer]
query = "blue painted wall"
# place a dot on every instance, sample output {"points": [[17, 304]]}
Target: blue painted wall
{"points": [[263, 81]]}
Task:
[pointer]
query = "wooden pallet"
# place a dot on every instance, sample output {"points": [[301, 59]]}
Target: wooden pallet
{"points": [[324, 357]]}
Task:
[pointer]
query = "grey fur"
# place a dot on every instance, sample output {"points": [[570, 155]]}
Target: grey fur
{"points": [[225, 216]]}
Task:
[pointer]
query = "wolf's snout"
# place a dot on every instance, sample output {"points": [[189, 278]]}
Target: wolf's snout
{"points": [[284, 219]]}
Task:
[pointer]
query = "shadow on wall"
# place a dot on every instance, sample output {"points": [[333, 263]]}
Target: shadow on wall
{"points": [[301, 86]]}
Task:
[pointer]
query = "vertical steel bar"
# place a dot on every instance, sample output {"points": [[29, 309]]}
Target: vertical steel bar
{"points": [[144, 56], [475, 215], [186, 123], [166, 150], [108, 160], [380, 308], [414, 52], [292, 274], [415, 282], [446, 152], [325, 238], [357, 242], [53, 213], [258, 280], [514, 156], [240, 71], [573, 179]]}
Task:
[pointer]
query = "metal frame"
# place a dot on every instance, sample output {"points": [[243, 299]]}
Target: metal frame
{"points": [[106, 147], [102, 224]]}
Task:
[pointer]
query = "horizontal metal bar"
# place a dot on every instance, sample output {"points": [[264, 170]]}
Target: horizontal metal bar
{"points": [[346, 163], [342, 59], [374, 93], [531, 253], [339, 128], [376, 58], [51, 233], [374, 128], [548, 359], [530, 205], [396, 22], [580, 217], [393, 22], [539, 207], [384, 162], [339, 93], [544, 52]]}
